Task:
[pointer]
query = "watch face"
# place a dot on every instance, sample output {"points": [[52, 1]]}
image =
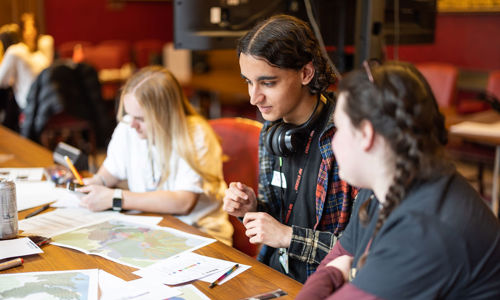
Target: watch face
{"points": [[117, 204]]}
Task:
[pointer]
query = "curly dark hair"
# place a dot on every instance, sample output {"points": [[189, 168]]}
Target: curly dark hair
{"points": [[287, 42], [400, 105]]}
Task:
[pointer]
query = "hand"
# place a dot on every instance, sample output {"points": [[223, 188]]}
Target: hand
{"points": [[97, 197], [92, 181], [343, 263], [262, 228], [239, 199]]}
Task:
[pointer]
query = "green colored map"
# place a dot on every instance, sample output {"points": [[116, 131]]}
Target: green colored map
{"points": [[65, 285], [130, 243]]}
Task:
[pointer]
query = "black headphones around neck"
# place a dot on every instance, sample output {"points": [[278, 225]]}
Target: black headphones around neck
{"points": [[283, 139]]}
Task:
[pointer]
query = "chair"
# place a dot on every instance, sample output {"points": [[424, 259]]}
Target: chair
{"points": [[479, 154], [240, 144], [108, 58], [493, 86], [442, 78], [65, 50], [64, 104], [148, 52], [479, 104]]}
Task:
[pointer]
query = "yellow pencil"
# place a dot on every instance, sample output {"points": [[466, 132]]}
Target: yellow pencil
{"points": [[73, 170]]}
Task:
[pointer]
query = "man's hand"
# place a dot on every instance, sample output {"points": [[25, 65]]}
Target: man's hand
{"points": [[239, 199], [262, 228]]}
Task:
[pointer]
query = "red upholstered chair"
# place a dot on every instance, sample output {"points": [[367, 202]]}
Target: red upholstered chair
{"points": [[442, 78], [147, 52], [65, 50], [493, 86], [240, 145], [109, 57], [477, 105]]}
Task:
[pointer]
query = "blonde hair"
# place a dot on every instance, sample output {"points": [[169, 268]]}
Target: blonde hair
{"points": [[166, 111]]}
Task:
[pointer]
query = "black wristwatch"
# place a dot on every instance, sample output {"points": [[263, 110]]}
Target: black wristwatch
{"points": [[117, 200]]}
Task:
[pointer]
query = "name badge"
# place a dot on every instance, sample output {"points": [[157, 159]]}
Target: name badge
{"points": [[283, 258], [279, 180]]}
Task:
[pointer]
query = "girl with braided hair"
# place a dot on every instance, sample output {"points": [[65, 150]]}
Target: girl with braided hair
{"points": [[418, 229]]}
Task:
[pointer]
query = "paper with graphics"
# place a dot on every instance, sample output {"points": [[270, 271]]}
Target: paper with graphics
{"points": [[190, 266], [132, 244], [59, 285]]}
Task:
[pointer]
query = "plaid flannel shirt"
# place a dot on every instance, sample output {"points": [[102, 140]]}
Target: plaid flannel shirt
{"points": [[334, 199]]}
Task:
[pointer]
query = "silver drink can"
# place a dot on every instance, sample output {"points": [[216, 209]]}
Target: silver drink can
{"points": [[8, 210]]}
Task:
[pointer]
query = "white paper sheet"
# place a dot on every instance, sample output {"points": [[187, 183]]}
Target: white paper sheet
{"points": [[66, 198], [188, 267], [22, 174], [213, 277], [34, 193], [61, 220], [146, 220], [18, 247], [114, 288]]}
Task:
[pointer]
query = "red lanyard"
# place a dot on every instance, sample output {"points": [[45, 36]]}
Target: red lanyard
{"points": [[299, 179]]}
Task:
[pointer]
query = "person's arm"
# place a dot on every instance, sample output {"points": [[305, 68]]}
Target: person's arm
{"points": [[326, 279], [349, 291], [102, 177], [100, 198], [7, 69], [172, 202]]}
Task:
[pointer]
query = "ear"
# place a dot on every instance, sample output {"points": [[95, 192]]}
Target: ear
{"points": [[307, 73], [367, 135]]}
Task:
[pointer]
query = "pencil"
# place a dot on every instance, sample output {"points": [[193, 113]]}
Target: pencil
{"points": [[36, 212], [216, 282], [11, 263], [73, 170]]}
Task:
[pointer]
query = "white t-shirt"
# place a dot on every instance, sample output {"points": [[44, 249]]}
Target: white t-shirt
{"points": [[19, 69], [128, 159]]}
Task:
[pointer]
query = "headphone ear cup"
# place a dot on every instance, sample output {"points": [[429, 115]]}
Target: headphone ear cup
{"points": [[279, 140], [293, 138], [275, 139], [268, 140]]}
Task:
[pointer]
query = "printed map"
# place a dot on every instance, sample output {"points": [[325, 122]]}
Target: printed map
{"points": [[63, 285], [130, 243]]}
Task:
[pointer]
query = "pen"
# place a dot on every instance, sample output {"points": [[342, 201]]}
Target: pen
{"points": [[36, 212], [73, 170], [11, 263], [271, 295], [216, 282]]}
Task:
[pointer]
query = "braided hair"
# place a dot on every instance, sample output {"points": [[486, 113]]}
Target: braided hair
{"points": [[287, 42], [398, 102]]}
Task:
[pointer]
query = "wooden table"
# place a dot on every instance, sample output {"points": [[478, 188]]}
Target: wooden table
{"points": [[16, 151], [487, 117]]}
